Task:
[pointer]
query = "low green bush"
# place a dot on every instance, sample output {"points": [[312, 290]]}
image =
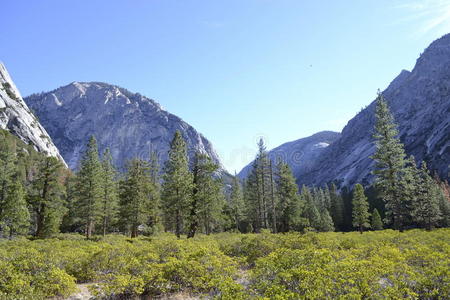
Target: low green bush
{"points": [[374, 265]]}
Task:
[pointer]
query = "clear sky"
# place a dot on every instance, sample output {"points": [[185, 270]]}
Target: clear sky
{"points": [[234, 69]]}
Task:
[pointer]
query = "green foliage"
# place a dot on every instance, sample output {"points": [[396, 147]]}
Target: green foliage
{"points": [[336, 207], [206, 205], [360, 209], [109, 201], [236, 203], [47, 197], [15, 217], [382, 264], [136, 191], [393, 178], [177, 186], [289, 204], [377, 223], [425, 205], [89, 191]]}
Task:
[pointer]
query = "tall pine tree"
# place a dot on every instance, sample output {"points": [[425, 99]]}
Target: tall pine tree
{"points": [[360, 209], [109, 201], [390, 165], [289, 204], [177, 185], [47, 197], [136, 201], [89, 188]]}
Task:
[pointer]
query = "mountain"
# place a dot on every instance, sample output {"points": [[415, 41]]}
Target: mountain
{"points": [[420, 103], [130, 124], [17, 118], [299, 154]]}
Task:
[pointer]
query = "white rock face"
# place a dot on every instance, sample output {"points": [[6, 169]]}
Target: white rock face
{"points": [[130, 124], [299, 154], [420, 103], [16, 117]]}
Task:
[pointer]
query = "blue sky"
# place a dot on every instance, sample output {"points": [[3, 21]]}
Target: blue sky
{"points": [[234, 69]]}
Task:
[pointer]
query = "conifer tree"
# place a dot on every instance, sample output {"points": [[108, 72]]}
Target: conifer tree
{"points": [[311, 212], [204, 194], [360, 209], [7, 171], [390, 165], [336, 207], [155, 178], [326, 222], [177, 185], [260, 192], [47, 197], [89, 188], [425, 205], [252, 200], [136, 203], [15, 216], [263, 183], [236, 202], [109, 201], [289, 205], [377, 223]]}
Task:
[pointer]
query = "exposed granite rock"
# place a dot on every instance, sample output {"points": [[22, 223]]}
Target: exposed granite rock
{"points": [[16, 117], [420, 102], [130, 124]]}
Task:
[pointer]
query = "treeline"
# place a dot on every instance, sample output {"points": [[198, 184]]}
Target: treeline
{"points": [[39, 196], [411, 196]]}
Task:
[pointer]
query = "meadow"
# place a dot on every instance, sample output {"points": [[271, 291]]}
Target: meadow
{"points": [[383, 264]]}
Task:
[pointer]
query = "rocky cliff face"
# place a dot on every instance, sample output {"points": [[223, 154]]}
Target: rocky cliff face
{"points": [[130, 124], [16, 117], [299, 154], [420, 103]]}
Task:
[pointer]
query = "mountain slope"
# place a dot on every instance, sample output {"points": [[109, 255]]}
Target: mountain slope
{"points": [[16, 117], [420, 102], [129, 123], [299, 154]]}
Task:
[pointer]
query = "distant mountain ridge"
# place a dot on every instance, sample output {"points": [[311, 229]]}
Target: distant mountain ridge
{"points": [[420, 103], [17, 118], [130, 124], [299, 154]]}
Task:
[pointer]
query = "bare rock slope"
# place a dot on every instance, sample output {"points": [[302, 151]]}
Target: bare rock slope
{"points": [[130, 124], [420, 103], [16, 117]]}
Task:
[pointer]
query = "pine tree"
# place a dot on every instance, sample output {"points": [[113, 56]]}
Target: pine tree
{"points": [[136, 203], [326, 222], [390, 165], [205, 194], [336, 207], [289, 205], [360, 209], [47, 197], [236, 202], [263, 183], [377, 223], [311, 212], [261, 196], [8, 169], [155, 219], [177, 185], [15, 215], [109, 200], [425, 206], [89, 188]]}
